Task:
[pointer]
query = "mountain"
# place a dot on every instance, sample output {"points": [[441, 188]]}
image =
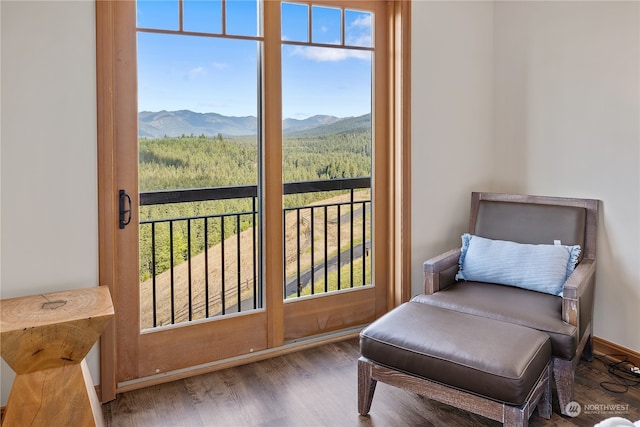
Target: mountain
{"points": [[346, 124], [295, 125], [185, 122]]}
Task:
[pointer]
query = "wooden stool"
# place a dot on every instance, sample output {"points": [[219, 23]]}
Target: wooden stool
{"points": [[44, 340]]}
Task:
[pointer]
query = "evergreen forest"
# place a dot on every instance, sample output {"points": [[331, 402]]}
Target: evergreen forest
{"points": [[187, 162]]}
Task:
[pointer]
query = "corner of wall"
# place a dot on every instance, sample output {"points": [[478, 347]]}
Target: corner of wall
{"points": [[452, 124]]}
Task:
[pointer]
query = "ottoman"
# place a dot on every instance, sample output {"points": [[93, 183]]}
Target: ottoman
{"points": [[495, 369]]}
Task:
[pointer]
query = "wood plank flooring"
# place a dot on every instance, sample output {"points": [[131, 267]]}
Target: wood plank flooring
{"points": [[318, 387]]}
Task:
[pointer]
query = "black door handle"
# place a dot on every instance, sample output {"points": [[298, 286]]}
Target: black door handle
{"points": [[125, 214]]}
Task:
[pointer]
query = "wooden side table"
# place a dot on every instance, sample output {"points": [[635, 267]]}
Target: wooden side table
{"points": [[44, 339]]}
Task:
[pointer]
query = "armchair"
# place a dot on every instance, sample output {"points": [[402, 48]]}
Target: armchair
{"points": [[530, 220]]}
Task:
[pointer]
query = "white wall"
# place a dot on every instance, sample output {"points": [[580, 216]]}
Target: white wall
{"points": [[49, 215], [452, 121], [567, 123], [548, 102]]}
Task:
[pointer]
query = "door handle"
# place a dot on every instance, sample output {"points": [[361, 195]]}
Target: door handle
{"points": [[125, 214]]}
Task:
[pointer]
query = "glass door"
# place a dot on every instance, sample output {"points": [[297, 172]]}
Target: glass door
{"points": [[251, 155], [332, 119], [195, 193]]}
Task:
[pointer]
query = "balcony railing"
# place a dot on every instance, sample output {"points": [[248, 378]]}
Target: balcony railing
{"points": [[326, 246]]}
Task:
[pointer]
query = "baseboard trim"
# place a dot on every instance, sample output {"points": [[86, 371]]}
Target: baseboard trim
{"points": [[603, 347]]}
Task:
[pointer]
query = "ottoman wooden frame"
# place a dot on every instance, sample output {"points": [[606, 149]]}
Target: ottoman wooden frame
{"points": [[369, 373]]}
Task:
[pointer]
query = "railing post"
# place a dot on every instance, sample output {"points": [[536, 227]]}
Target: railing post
{"points": [[206, 267]]}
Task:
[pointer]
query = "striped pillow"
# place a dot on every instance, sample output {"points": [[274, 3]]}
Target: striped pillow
{"points": [[542, 268]]}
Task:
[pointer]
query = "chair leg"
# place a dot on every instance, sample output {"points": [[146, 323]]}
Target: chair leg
{"points": [[366, 386], [544, 405], [587, 353], [563, 377], [514, 417]]}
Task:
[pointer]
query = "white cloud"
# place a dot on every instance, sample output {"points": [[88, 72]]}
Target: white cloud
{"points": [[359, 31], [219, 65], [323, 54], [363, 21], [363, 40], [196, 72]]}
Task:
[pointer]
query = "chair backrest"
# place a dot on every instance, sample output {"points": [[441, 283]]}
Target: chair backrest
{"points": [[536, 219]]}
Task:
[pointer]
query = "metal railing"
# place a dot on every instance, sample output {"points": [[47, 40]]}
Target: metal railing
{"points": [[223, 277]]}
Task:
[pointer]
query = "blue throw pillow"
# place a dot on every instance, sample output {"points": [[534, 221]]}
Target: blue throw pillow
{"points": [[542, 268]]}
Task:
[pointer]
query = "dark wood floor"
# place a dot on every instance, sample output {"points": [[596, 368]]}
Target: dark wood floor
{"points": [[318, 387]]}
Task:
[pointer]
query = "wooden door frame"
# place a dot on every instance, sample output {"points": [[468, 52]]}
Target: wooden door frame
{"points": [[110, 121], [400, 107], [399, 163], [107, 205]]}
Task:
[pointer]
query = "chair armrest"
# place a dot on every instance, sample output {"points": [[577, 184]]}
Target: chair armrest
{"points": [[436, 269], [580, 282]]}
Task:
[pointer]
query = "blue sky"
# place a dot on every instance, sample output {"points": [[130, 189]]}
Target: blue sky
{"points": [[204, 74]]}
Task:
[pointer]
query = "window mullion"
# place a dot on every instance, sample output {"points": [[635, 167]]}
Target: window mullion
{"points": [[271, 185]]}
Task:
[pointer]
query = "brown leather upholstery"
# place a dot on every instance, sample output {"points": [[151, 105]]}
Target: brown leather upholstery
{"points": [[510, 304], [498, 360], [529, 223]]}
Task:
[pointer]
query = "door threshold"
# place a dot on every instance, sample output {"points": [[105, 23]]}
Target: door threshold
{"points": [[288, 347]]}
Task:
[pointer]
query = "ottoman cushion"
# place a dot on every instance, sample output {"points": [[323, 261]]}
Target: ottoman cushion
{"points": [[498, 360], [509, 304]]}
